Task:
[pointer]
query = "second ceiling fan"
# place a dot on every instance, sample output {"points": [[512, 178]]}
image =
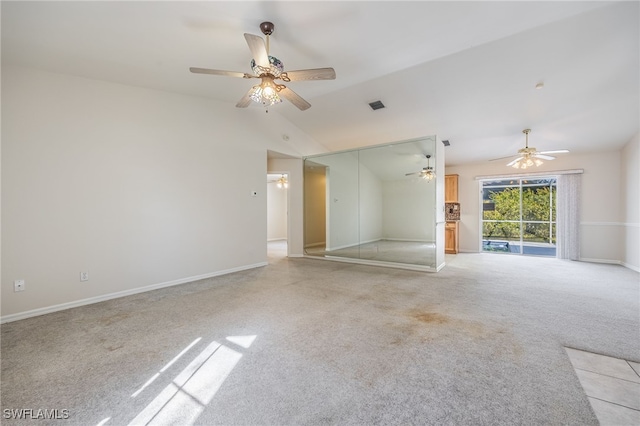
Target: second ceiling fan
{"points": [[528, 157], [426, 173], [269, 69]]}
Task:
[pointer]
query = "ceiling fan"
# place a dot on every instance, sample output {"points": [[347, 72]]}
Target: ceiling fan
{"points": [[281, 182], [528, 157], [269, 69], [426, 173]]}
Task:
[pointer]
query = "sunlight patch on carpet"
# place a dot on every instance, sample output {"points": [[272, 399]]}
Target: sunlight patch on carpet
{"points": [[162, 370], [185, 398]]}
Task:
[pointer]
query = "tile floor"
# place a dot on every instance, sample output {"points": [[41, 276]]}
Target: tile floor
{"points": [[612, 386]]}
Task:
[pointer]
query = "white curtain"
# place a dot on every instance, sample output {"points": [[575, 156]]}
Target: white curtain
{"points": [[568, 216]]}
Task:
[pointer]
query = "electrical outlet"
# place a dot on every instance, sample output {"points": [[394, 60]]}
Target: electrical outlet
{"points": [[84, 276], [19, 285]]}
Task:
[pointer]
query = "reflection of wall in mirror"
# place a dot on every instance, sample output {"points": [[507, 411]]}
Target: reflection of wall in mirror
{"points": [[314, 207], [342, 199], [370, 206], [409, 210]]}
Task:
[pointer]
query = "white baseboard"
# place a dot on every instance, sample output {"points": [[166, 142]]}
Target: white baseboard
{"points": [[630, 266], [609, 261], [96, 299], [322, 243], [408, 266], [375, 240], [409, 240], [328, 249], [586, 259]]}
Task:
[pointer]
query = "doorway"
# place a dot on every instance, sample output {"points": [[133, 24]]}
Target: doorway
{"points": [[519, 216], [277, 214]]}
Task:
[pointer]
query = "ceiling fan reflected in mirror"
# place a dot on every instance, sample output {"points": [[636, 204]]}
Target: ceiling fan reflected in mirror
{"points": [[269, 69], [282, 182], [426, 173], [529, 157]]}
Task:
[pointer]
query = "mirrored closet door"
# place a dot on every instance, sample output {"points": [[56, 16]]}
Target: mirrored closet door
{"points": [[375, 205]]}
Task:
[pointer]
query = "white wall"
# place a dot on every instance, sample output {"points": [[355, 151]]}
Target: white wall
{"points": [[601, 224], [369, 205], [630, 193], [140, 188], [440, 216], [276, 212]]}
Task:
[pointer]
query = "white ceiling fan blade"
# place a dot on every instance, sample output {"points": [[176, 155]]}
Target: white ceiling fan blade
{"points": [[294, 98], [514, 161], [311, 74], [414, 173], [544, 157], [557, 151], [502, 158], [258, 49], [221, 72], [245, 101]]}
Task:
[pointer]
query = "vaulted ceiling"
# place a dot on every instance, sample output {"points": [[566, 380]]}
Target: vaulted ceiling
{"points": [[465, 71]]}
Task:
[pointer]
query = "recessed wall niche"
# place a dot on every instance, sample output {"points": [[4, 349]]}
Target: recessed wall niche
{"points": [[371, 205]]}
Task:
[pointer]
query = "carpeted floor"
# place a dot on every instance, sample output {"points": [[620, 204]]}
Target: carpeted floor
{"points": [[308, 341]]}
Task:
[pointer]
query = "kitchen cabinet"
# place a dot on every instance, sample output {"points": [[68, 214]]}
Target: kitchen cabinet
{"points": [[451, 237], [451, 188], [451, 228]]}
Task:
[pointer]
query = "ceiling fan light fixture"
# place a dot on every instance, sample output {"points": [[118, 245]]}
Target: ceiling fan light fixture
{"points": [[529, 156], [427, 174], [265, 93], [283, 182], [527, 162], [269, 68]]}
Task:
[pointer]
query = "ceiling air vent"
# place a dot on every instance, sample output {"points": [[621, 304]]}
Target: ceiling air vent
{"points": [[446, 142], [376, 105]]}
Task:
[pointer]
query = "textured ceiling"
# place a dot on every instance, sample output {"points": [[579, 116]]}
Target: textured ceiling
{"points": [[465, 71]]}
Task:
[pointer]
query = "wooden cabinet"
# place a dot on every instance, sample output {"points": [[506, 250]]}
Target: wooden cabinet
{"points": [[451, 228], [451, 188], [451, 237]]}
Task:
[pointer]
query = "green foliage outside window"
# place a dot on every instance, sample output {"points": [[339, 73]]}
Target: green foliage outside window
{"points": [[536, 206]]}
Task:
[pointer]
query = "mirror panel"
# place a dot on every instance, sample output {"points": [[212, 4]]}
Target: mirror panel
{"points": [[372, 204]]}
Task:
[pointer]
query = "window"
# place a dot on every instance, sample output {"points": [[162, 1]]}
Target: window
{"points": [[519, 216]]}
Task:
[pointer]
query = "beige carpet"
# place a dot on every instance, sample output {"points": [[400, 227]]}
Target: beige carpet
{"points": [[304, 341]]}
